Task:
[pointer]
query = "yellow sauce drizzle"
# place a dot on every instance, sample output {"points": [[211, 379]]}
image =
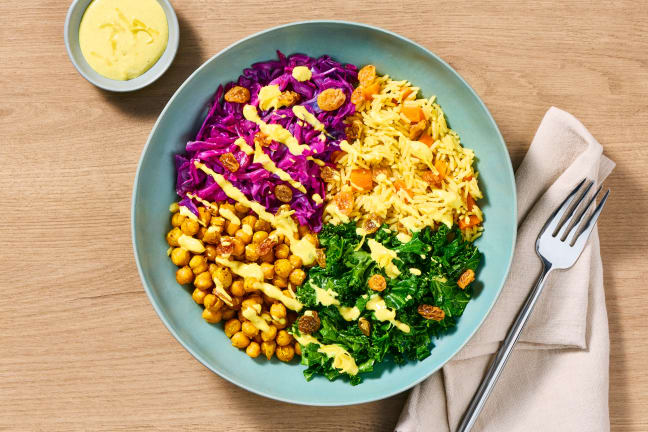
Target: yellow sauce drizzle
{"points": [[221, 293], [254, 271], [243, 145], [302, 73], [269, 165], [328, 298], [282, 222], [303, 114], [383, 258], [342, 359], [230, 216], [383, 313], [274, 131], [317, 199], [269, 97], [252, 314]]}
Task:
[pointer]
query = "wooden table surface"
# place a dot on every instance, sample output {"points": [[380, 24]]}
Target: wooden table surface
{"points": [[80, 345]]}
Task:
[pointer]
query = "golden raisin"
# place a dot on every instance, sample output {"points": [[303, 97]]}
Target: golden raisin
{"points": [[367, 75], [229, 161], [371, 224], [237, 94], [357, 97], [328, 174], [465, 278], [430, 312], [331, 99], [266, 246], [365, 326], [377, 283], [309, 323], [344, 202], [283, 193], [320, 257], [288, 98], [262, 139], [417, 129]]}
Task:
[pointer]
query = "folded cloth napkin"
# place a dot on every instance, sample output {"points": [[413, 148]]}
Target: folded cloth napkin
{"points": [[557, 377]]}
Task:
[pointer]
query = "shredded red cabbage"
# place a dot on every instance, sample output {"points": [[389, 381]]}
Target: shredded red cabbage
{"points": [[225, 123]]}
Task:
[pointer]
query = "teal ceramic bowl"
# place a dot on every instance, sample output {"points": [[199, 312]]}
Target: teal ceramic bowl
{"points": [[179, 122]]}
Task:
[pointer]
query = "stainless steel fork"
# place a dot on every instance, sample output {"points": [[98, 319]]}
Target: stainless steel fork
{"points": [[559, 244]]}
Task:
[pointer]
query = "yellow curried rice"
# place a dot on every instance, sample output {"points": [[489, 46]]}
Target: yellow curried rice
{"points": [[383, 144]]}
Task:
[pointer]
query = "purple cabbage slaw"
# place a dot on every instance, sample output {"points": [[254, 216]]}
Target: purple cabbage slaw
{"points": [[225, 123]]}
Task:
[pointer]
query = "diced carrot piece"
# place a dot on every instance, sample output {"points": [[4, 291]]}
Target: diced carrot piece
{"points": [[426, 139], [357, 96], [473, 221], [344, 202], [442, 167], [470, 202], [432, 178], [362, 179], [413, 112], [400, 184], [406, 92], [371, 90]]}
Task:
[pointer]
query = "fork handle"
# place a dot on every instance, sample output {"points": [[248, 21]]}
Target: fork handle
{"points": [[503, 353]]}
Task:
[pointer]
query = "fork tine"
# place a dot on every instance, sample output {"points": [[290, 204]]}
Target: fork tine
{"points": [[584, 233], [557, 215], [566, 220], [576, 220]]}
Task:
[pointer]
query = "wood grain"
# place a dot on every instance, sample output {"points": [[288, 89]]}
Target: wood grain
{"points": [[80, 346]]}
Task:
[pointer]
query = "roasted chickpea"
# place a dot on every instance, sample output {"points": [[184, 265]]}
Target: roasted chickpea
{"points": [[204, 215], [180, 257], [253, 350], [198, 296], [212, 316], [198, 264], [285, 353], [283, 338], [212, 302], [228, 314], [280, 324], [259, 236], [173, 236], [282, 251], [269, 334], [295, 261], [297, 277], [249, 220], [240, 316], [249, 329], [232, 326], [252, 252], [238, 247], [268, 270], [250, 284], [297, 349], [213, 209], [262, 225], [237, 288], [240, 209], [280, 282], [218, 222], [177, 219], [236, 303], [267, 258], [190, 227], [239, 340], [312, 238], [277, 236], [184, 275], [231, 228], [211, 235], [283, 268], [212, 268], [278, 311], [268, 349], [243, 236], [224, 276], [203, 281], [303, 230], [201, 233], [210, 252]]}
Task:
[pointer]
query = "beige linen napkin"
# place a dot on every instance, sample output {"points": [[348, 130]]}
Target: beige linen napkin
{"points": [[557, 377]]}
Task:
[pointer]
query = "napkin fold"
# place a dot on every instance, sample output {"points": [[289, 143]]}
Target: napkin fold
{"points": [[557, 377]]}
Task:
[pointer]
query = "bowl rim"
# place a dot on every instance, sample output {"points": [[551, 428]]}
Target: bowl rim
{"points": [[149, 75], [233, 380]]}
